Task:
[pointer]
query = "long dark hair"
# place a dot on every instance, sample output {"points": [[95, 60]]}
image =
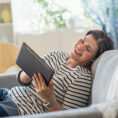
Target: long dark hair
{"points": [[104, 42]]}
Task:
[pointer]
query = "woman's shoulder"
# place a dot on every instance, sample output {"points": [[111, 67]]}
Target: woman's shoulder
{"points": [[84, 73], [83, 70]]}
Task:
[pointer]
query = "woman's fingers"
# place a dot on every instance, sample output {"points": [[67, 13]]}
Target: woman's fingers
{"points": [[37, 81], [51, 85], [45, 92], [42, 80]]}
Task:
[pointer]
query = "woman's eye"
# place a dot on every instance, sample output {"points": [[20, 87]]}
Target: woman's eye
{"points": [[88, 49]]}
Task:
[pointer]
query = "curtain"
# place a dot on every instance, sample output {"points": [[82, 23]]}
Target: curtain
{"points": [[116, 18], [22, 15], [103, 13]]}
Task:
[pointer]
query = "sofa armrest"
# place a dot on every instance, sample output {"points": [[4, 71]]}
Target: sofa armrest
{"points": [[8, 80], [88, 112]]}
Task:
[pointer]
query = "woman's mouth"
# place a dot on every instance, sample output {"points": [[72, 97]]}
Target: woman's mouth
{"points": [[77, 53]]}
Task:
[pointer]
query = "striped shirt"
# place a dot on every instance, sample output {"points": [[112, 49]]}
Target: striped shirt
{"points": [[72, 87]]}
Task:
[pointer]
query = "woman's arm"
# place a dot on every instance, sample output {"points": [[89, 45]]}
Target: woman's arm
{"points": [[55, 107], [23, 78], [46, 92]]}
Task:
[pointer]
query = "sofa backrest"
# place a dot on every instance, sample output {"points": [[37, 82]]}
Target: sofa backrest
{"points": [[103, 75]]}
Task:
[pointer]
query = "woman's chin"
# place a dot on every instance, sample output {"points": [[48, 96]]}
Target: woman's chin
{"points": [[74, 56]]}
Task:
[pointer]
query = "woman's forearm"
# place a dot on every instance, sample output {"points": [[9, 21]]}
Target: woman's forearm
{"points": [[55, 107], [24, 78], [46, 93]]}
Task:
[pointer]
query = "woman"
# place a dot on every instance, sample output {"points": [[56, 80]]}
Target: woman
{"points": [[71, 83]]}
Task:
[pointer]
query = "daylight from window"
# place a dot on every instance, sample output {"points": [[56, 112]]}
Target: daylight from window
{"points": [[44, 15]]}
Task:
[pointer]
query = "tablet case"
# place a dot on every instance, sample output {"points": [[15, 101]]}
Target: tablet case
{"points": [[31, 63]]}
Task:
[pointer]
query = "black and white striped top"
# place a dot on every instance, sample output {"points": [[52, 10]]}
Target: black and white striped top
{"points": [[72, 87]]}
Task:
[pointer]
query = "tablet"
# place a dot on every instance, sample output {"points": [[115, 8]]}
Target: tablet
{"points": [[31, 63]]}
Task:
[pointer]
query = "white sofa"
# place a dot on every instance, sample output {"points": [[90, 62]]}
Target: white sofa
{"points": [[100, 107]]}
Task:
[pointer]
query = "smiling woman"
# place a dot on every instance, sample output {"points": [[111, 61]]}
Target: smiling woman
{"points": [[89, 48], [85, 51], [70, 86]]}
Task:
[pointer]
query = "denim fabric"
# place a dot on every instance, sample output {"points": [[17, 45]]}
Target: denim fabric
{"points": [[7, 106]]}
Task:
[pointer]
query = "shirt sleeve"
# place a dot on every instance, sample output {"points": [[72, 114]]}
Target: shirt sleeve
{"points": [[78, 92], [51, 58]]}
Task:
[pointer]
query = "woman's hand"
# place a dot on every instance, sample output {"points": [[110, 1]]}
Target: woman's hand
{"points": [[46, 92]]}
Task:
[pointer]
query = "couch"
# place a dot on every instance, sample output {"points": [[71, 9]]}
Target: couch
{"points": [[100, 105]]}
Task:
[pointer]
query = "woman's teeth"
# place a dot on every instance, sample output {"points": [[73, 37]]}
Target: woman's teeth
{"points": [[76, 52]]}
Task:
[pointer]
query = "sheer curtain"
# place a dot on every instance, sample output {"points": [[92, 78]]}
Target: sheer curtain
{"points": [[27, 15], [103, 13], [116, 19], [22, 15]]}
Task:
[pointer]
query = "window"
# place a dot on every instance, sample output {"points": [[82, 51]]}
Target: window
{"points": [[43, 15]]}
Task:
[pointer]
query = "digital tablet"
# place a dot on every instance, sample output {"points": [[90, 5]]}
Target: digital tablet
{"points": [[31, 63]]}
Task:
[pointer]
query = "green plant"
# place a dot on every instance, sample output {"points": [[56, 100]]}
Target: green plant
{"points": [[115, 12], [107, 11], [51, 14]]}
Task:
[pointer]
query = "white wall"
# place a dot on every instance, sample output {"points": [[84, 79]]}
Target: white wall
{"points": [[53, 40]]}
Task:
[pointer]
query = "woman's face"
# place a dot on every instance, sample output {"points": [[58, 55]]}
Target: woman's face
{"points": [[84, 50]]}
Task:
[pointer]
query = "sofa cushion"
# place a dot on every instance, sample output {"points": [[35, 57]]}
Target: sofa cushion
{"points": [[113, 88], [103, 76], [87, 112], [94, 66], [107, 109], [8, 80], [93, 71]]}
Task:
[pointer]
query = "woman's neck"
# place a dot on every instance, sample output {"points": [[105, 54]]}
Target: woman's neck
{"points": [[70, 62]]}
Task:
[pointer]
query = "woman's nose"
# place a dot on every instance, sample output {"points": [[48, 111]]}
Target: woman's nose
{"points": [[81, 47]]}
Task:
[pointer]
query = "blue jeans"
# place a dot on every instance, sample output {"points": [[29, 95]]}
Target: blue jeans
{"points": [[7, 106]]}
